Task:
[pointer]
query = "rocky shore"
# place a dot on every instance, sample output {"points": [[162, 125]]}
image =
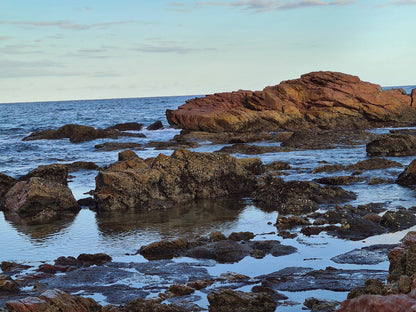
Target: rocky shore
{"points": [[317, 112]]}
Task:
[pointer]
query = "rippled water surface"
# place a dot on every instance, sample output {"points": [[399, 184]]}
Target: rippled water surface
{"points": [[122, 234]]}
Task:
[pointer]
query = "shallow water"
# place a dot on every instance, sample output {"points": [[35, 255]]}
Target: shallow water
{"points": [[121, 234]]}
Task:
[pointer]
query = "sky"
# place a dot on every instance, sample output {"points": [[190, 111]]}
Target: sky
{"points": [[97, 49]]}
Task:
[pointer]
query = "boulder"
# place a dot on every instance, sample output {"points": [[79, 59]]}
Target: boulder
{"points": [[179, 144], [6, 184], [318, 100], [228, 137], [114, 146], [227, 300], [392, 145], [296, 197], [128, 126], [408, 176], [56, 173], [182, 177], [81, 165], [247, 149], [378, 303], [155, 126], [41, 199], [7, 285]]}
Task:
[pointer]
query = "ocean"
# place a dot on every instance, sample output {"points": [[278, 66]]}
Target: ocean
{"points": [[122, 235]]}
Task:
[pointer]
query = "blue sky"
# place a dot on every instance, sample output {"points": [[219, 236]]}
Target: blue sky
{"points": [[85, 49]]}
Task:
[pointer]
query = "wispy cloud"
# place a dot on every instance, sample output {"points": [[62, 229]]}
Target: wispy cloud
{"points": [[155, 45], [41, 68], [5, 38], [65, 24], [404, 2], [267, 5]]}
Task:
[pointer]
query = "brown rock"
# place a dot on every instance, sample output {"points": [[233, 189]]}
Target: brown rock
{"points": [[179, 144], [8, 285], [94, 259], [241, 236], [182, 177], [276, 166], [216, 236], [253, 165], [126, 155], [378, 303], [325, 100], [41, 199], [227, 300], [81, 165], [127, 161], [134, 126], [114, 146], [180, 290], [226, 137], [6, 184], [155, 126], [408, 176], [392, 145], [56, 173]]}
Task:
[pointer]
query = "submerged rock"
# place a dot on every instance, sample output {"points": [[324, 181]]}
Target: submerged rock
{"points": [[392, 145], [318, 100], [128, 126], [296, 197], [155, 126], [227, 300], [182, 177], [42, 200], [367, 255], [6, 183]]}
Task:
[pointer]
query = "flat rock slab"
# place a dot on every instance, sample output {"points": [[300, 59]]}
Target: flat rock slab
{"points": [[303, 279], [367, 255]]}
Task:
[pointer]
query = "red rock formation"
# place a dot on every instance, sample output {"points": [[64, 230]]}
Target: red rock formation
{"points": [[377, 303], [318, 100]]}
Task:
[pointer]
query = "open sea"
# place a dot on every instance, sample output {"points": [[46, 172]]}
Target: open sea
{"points": [[118, 235]]}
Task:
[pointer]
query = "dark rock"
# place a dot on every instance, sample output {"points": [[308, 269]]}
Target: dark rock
{"points": [[367, 255], [252, 164], [328, 168], [182, 177], [374, 164], [56, 173], [275, 295], [319, 305], [82, 165], [222, 251], [227, 300], [128, 126], [6, 183], [408, 176], [304, 279], [114, 146], [166, 249], [52, 269], [398, 220], [88, 202], [285, 223], [7, 266], [338, 180], [40, 199], [246, 149], [182, 144], [392, 145], [224, 137], [180, 290], [67, 261], [126, 155], [133, 163], [94, 259], [216, 236], [296, 197], [276, 166], [155, 126], [7, 285], [241, 236], [311, 230]]}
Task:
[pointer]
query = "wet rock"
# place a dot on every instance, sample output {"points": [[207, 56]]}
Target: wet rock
{"points": [[252, 164], [227, 300], [354, 227], [88, 202], [94, 259], [276, 166], [275, 295], [371, 287], [75, 133], [56, 173], [398, 220], [377, 303], [6, 183], [223, 250], [285, 223], [224, 137], [367, 255], [180, 290], [150, 305], [327, 139], [135, 163], [128, 126], [328, 168], [182, 177], [374, 164], [180, 144], [403, 258], [52, 269], [246, 149], [338, 180], [217, 236], [375, 181], [7, 285], [241, 236], [319, 305], [296, 197], [7, 266], [200, 284], [155, 126], [317, 100], [54, 300], [82, 165], [392, 145], [408, 176], [304, 279], [114, 146], [40, 199]]}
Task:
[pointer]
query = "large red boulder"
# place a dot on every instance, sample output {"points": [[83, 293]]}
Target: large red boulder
{"points": [[318, 100], [377, 303]]}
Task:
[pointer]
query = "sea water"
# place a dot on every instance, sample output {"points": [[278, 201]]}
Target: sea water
{"points": [[121, 235]]}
